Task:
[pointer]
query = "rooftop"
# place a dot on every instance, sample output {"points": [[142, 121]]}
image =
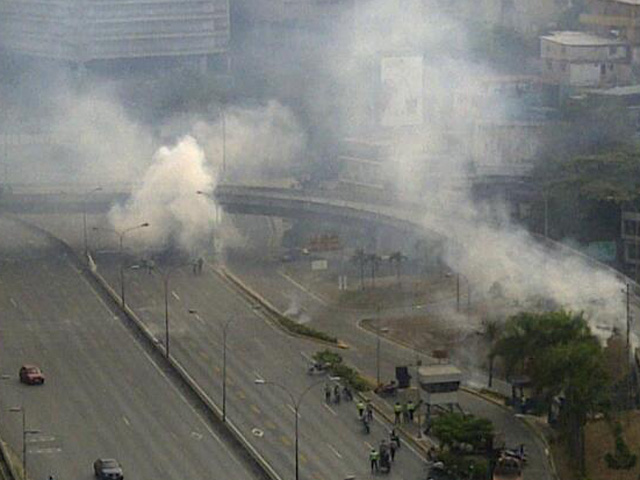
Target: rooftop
{"points": [[438, 369], [582, 39]]}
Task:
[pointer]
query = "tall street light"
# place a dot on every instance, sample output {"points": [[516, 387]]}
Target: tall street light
{"points": [[121, 234], [225, 329], [296, 409], [84, 216], [25, 432], [165, 281], [458, 293]]}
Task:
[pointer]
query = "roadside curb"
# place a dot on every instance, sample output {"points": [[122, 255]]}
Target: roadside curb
{"points": [[271, 310], [5, 458]]}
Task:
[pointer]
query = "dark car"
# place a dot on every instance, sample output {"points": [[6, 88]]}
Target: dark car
{"points": [[107, 469], [31, 375]]}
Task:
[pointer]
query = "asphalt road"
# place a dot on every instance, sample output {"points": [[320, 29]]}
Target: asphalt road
{"points": [[280, 291], [332, 442], [103, 395]]}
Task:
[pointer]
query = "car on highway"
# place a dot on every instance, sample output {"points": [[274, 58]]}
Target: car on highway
{"points": [[107, 469], [31, 375]]}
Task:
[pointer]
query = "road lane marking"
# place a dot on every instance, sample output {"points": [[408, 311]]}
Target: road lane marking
{"points": [[330, 409], [334, 450], [255, 409], [196, 435], [369, 445], [303, 459], [284, 439], [41, 438], [45, 451], [175, 295], [204, 355], [13, 302], [217, 370], [126, 421], [241, 394], [258, 376], [270, 425], [290, 407]]}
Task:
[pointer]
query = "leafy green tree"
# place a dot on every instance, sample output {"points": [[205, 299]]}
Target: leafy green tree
{"points": [[492, 331], [456, 428], [562, 357]]}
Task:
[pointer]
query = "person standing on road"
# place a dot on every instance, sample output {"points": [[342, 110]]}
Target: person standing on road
{"points": [[393, 446], [369, 412], [327, 393], [373, 458], [411, 408], [393, 436], [397, 410], [360, 407]]}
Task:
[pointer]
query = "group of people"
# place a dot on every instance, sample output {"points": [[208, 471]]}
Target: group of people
{"points": [[365, 414], [383, 457], [334, 395], [404, 413]]}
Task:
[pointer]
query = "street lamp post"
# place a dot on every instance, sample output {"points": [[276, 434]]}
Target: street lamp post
{"points": [[225, 329], [165, 281], [84, 217], [25, 432], [458, 293], [296, 408], [121, 234]]}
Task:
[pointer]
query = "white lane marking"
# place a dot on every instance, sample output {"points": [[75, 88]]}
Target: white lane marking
{"points": [[290, 407], [175, 295], [334, 450], [126, 421], [199, 319], [13, 302], [330, 409], [41, 438], [369, 445], [196, 435], [49, 450], [258, 376], [307, 357]]}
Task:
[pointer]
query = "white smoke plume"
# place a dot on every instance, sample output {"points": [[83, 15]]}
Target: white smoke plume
{"points": [[260, 142], [174, 198]]}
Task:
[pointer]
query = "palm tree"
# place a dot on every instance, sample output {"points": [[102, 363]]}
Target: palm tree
{"points": [[360, 258], [492, 332], [397, 258], [373, 260]]}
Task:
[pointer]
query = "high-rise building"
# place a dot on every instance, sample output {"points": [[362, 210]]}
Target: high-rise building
{"points": [[82, 31]]}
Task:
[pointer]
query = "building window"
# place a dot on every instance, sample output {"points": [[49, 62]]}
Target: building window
{"points": [[629, 227], [603, 69], [632, 253]]}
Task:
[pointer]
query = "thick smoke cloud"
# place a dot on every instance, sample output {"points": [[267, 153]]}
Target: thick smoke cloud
{"points": [[260, 142], [168, 199]]}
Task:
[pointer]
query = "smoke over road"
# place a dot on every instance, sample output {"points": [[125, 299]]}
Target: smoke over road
{"points": [[173, 197]]}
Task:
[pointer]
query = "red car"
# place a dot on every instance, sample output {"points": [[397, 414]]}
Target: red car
{"points": [[31, 375]]}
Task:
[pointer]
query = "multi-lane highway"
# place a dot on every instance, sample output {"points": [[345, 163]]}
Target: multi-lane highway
{"points": [[278, 289], [103, 394], [332, 441]]}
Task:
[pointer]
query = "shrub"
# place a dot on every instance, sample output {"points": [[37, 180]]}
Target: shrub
{"points": [[622, 459], [337, 368]]}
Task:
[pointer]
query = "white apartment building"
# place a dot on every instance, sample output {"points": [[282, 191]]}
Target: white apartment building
{"points": [[580, 59], [82, 31]]}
